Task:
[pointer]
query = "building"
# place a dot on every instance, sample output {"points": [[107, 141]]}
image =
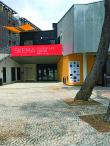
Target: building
{"points": [[66, 53], [38, 53], [9, 17], [79, 32]]}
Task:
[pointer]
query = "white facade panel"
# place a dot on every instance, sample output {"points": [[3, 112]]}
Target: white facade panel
{"points": [[88, 21], [65, 31], [8, 63], [80, 28]]}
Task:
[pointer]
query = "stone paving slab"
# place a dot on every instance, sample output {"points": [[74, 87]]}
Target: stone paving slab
{"points": [[34, 114]]}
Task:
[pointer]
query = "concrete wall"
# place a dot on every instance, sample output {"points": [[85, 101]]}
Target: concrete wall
{"points": [[80, 28], [8, 63], [65, 32], [88, 21]]}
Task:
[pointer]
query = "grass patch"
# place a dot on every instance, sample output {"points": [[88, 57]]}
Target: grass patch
{"points": [[72, 102], [96, 121]]}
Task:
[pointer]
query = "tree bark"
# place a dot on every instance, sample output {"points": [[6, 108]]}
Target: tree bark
{"points": [[101, 57]]}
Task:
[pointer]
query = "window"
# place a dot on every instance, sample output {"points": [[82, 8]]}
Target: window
{"points": [[52, 41], [28, 42], [9, 42]]}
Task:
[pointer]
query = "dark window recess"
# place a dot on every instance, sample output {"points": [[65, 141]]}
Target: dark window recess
{"points": [[4, 74], [14, 43], [52, 41], [9, 42], [14, 24], [58, 40], [18, 73], [28, 42], [9, 32], [13, 74], [47, 72], [39, 38]]}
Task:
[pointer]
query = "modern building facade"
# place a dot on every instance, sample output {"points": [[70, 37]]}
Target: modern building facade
{"points": [[10, 69], [79, 32], [7, 38], [66, 53], [38, 53], [8, 18]]}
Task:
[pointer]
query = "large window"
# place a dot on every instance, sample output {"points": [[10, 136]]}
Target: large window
{"points": [[28, 42], [47, 72]]}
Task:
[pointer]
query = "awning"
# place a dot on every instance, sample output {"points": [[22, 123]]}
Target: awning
{"points": [[22, 28], [37, 60], [26, 27], [13, 29]]}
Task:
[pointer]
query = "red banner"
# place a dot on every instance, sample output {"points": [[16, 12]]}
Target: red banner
{"points": [[37, 50]]}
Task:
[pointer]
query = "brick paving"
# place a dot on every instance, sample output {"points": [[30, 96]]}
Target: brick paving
{"points": [[34, 114]]}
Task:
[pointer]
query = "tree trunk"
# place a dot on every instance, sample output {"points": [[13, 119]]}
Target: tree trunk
{"points": [[101, 57]]}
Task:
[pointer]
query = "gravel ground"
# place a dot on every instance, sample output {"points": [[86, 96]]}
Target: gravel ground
{"points": [[34, 114]]}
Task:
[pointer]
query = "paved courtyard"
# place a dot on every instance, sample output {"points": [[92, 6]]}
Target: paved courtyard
{"points": [[34, 114]]}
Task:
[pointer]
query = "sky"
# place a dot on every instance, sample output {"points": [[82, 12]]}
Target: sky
{"points": [[43, 13]]}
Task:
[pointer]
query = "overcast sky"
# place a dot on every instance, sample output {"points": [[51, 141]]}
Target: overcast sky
{"points": [[43, 13]]}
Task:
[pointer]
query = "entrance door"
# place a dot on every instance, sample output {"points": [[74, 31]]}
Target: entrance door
{"points": [[18, 73], [4, 74], [46, 72], [13, 74], [27, 73]]}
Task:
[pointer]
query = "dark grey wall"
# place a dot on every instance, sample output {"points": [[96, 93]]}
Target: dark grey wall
{"points": [[37, 38]]}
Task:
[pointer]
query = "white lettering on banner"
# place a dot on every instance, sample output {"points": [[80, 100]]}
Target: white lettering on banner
{"points": [[17, 50], [52, 48], [33, 50], [27, 50]]}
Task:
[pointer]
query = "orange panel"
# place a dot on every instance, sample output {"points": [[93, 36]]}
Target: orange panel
{"points": [[13, 29], [26, 27], [90, 62]]}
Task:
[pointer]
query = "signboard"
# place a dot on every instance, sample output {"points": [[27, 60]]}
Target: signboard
{"points": [[74, 71], [37, 50]]}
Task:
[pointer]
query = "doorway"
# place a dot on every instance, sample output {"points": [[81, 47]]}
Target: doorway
{"points": [[46, 72], [13, 74], [18, 73], [4, 74]]}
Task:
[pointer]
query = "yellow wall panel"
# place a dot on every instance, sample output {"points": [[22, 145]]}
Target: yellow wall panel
{"points": [[90, 62], [63, 68]]}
